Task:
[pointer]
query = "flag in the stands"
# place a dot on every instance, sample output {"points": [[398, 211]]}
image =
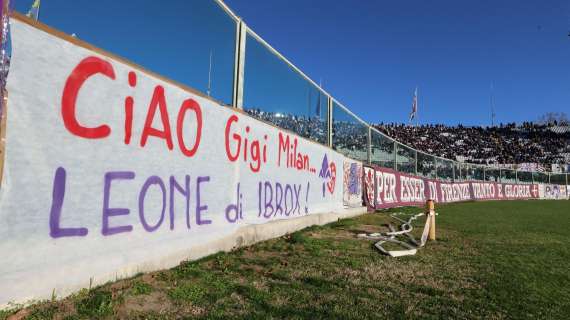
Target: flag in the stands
{"points": [[34, 12], [414, 105]]}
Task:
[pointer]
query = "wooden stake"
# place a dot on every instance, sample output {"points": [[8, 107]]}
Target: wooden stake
{"points": [[430, 206]]}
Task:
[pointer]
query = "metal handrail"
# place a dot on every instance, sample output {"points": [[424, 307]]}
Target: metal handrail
{"points": [[370, 127]]}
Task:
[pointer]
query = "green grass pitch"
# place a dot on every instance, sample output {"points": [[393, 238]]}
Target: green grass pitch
{"points": [[492, 260]]}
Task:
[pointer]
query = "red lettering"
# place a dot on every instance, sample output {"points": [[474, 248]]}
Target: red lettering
{"points": [[254, 150], [91, 66], [265, 150], [256, 162], [194, 106], [284, 146], [305, 162], [129, 106], [245, 144], [88, 67], [158, 100], [236, 137], [294, 159]]}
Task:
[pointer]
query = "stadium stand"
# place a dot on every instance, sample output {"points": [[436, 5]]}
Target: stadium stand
{"points": [[503, 144]]}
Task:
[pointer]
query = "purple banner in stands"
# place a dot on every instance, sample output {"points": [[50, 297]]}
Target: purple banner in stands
{"points": [[386, 188]]}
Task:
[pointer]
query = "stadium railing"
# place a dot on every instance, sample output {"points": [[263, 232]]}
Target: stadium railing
{"points": [[235, 66], [271, 88]]}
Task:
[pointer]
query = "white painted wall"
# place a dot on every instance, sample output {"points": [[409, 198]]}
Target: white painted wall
{"points": [[36, 259]]}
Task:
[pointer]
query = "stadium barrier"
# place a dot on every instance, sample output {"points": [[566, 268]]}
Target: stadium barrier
{"points": [[553, 192], [111, 169], [386, 188]]}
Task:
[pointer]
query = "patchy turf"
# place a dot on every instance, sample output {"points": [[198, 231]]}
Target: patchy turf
{"points": [[492, 260]]}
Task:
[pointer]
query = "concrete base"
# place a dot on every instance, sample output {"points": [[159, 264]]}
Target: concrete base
{"points": [[244, 236], [249, 235]]}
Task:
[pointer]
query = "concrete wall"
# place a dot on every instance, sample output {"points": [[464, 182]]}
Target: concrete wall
{"points": [[112, 170]]}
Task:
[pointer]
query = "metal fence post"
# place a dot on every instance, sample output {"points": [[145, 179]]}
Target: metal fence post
{"points": [[330, 121], [395, 155], [369, 150], [435, 166], [416, 161], [456, 171], [458, 166], [239, 65]]}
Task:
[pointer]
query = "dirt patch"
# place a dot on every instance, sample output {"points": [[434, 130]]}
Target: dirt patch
{"points": [[66, 308], [193, 310], [337, 234], [253, 267], [119, 286], [22, 314], [368, 228], [252, 254], [156, 302]]}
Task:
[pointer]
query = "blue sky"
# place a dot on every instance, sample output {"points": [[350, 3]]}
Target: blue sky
{"points": [[369, 54]]}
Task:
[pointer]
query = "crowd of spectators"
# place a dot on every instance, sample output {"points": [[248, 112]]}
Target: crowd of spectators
{"points": [[350, 137], [314, 128], [503, 144], [528, 142]]}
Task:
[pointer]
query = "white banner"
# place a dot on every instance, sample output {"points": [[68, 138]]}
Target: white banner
{"points": [[110, 169], [552, 191]]}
